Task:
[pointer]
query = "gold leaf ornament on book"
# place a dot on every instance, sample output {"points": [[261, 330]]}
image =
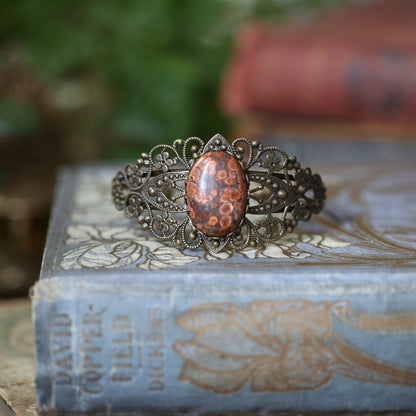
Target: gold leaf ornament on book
{"points": [[285, 346], [103, 247], [101, 241]]}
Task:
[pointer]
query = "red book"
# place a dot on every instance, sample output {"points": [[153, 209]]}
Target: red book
{"points": [[359, 63]]}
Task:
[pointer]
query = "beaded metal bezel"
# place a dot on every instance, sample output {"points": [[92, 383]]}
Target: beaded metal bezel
{"points": [[280, 193]]}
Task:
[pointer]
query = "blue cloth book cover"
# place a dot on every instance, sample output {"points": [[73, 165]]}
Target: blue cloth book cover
{"points": [[323, 320]]}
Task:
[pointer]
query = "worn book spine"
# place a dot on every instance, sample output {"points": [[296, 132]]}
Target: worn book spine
{"points": [[325, 73], [159, 344]]}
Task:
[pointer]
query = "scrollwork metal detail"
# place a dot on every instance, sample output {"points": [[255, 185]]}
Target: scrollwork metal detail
{"points": [[280, 193]]}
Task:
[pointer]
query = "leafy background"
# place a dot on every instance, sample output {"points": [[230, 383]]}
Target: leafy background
{"points": [[92, 80]]}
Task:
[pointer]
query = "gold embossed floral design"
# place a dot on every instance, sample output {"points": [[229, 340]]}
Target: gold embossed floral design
{"points": [[102, 247], [283, 346]]}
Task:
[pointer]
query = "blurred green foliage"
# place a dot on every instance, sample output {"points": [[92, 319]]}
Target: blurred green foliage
{"points": [[18, 118], [153, 67]]}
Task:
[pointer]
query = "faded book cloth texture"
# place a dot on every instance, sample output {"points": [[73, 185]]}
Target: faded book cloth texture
{"points": [[369, 218], [322, 320]]}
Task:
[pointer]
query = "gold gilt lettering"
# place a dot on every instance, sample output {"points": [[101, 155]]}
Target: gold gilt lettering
{"points": [[156, 385], [122, 322], [123, 352], [93, 318], [156, 365], [65, 363], [60, 346], [91, 347], [90, 363], [63, 378], [91, 382], [122, 349], [156, 349], [61, 331], [92, 331]]}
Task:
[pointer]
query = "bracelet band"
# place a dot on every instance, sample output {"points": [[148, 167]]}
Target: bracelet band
{"points": [[217, 194]]}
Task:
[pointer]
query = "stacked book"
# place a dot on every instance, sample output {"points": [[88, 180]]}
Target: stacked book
{"points": [[349, 70], [323, 320]]}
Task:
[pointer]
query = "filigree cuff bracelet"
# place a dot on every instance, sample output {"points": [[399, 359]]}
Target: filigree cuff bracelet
{"points": [[217, 194]]}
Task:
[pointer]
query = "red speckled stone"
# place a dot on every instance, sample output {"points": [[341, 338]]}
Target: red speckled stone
{"points": [[216, 192]]}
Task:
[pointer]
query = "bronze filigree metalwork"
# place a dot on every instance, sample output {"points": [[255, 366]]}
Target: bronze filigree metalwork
{"points": [[280, 193]]}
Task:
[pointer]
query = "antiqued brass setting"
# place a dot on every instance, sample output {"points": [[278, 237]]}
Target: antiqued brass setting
{"points": [[279, 193]]}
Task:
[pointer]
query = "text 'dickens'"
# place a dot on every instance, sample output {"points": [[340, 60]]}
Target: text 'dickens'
{"points": [[126, 349]]}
